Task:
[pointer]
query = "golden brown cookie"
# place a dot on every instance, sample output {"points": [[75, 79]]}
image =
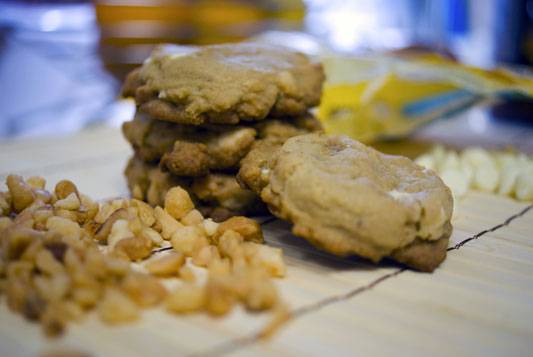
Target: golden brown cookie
{"points": [[217, 195], [225, 84], [187, 150], [348, 198]]}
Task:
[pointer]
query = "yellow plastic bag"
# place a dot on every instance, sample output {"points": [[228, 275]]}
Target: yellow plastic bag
{"points": [[381, 97]]}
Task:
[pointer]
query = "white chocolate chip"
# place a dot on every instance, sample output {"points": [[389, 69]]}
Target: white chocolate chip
{"points": [[456, 180], [426, 161], [524, 184]]}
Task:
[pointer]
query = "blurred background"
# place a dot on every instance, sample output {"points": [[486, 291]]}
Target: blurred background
{"points": [[62, 62]]}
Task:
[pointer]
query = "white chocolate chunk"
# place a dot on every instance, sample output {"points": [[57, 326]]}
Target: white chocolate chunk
{"points": [[456, 180], [524, 184], [426, 161], [509, 170]]}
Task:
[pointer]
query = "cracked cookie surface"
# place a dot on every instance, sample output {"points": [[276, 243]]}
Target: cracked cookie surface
{"points": [[347, 198], [225, 84]]}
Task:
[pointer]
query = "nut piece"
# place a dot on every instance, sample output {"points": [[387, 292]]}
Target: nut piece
{"points": [[192, 218], [5, 222], [64, 188], [52, 288], [178, 202], [269, 258], [119, 231], [220, 295], [5, 203], [261, 294], [136, 248], [106, 210], [145, 212], [210, 227], [166, 265], [187, 274], [144, 289], [116, 307], [64, 227], [206, 255], [186, 299], [246, 227], [71, 202], [188, 240], [52, 268], [230, 245], [36, 182], [21, 193], [152, 235], [105, 229], [167, 223], [46, 263]]}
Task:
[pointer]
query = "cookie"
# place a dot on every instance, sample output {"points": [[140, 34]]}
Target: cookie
{"points": [[225, 84], [347, 198], [187, 150], [217, 195]]}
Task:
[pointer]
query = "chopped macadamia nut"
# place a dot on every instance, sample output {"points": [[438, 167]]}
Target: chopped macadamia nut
{"points": [[105, 229], [210, 227], [5, 222], [192, 218], [5, 203], [188, 240], [116, 307], [186, 299], [136, 248], [261, 295], [120, 230], [21, 193], [64, 227], [143, 289], [71, 202], [246, 227], [145, 212], [187, 274], [53, 288], [166, 265], [206, 255], [230, 245], [107, 209], [265, 256], [168, 224], [178, 202], [36, 182], [152, 235], [64, 188], [62, 254], [220, 295]]}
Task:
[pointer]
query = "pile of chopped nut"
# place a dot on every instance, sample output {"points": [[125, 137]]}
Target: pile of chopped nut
{"points": [[62, 254]]}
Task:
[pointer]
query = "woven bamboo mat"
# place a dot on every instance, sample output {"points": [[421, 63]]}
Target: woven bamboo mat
{"points": [[479, 302]]}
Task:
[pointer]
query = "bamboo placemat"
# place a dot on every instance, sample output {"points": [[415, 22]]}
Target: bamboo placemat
{"points": [[479, 302]]}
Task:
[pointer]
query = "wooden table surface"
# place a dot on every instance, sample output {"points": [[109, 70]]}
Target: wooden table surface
{"points": [[479, 302]]}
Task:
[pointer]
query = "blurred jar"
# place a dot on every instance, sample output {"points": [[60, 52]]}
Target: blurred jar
{"points": [[131, 28]]}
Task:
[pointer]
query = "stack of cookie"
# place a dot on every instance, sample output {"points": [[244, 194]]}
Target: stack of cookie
{"points": [[200, 110]]}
